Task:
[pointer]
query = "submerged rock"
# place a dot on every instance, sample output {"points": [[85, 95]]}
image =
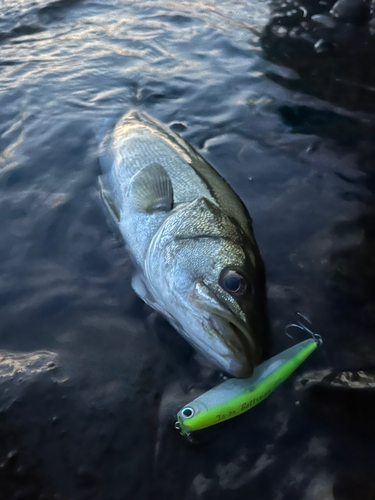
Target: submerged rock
{"points": [[323, 46], [344, 379], [324, 20], [25, 364], [353, 11], [21, 473], [341, 398], [65, 429], [18, 370]]}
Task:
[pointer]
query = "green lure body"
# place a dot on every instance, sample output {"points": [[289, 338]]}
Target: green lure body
{"points": [[235, 396]]}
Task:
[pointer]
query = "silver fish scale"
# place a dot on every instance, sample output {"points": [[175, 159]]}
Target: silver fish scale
{"points": [[180, 249], [209, 222], [143, 149]]}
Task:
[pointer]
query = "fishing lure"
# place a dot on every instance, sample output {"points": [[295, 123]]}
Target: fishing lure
{"points": [[236, 396]]}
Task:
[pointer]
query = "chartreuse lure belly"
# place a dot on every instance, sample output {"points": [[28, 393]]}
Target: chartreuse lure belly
{"points": [[235, 396]]}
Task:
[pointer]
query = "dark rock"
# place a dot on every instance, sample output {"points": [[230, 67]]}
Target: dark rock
{"points": [[342, 399], [322, 46], [326, 21], [352, 11], [340, 379]]}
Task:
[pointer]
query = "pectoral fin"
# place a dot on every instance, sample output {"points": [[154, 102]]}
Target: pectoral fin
{"points": [[151, 189]]}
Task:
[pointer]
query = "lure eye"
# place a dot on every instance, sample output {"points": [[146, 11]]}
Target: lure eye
{"points": [[233, 282], [187, 412]]}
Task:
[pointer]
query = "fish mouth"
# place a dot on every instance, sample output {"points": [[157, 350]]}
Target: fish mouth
{"points": [[238, 353], [229, 339]]}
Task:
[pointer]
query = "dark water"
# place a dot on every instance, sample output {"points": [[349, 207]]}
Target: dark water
{"points": [[282, 106]]}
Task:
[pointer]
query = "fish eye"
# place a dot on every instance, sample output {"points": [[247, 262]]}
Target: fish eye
{"points": [[187, 412], [233, 282]]}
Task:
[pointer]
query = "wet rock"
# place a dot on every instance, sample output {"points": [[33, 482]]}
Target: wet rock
{"points": [[178, 126], [324, 20], [352, 11], [322, 46], [344, 379], [56, 414], [341, 398], [328, 48], [22, 366], [23, 374]]}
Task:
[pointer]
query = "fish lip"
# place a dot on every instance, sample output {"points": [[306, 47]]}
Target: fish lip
{"points": [[243, 345], [218, 309], [236, 324], [233, 332]]}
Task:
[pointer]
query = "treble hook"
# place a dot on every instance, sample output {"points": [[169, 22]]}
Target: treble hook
{"points": [[301, 325]]}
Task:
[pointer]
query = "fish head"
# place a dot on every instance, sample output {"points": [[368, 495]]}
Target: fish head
{"points": [[207, 274]]}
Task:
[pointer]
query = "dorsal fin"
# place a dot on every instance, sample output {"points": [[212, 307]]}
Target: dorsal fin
{"points": [[151, 189]]}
